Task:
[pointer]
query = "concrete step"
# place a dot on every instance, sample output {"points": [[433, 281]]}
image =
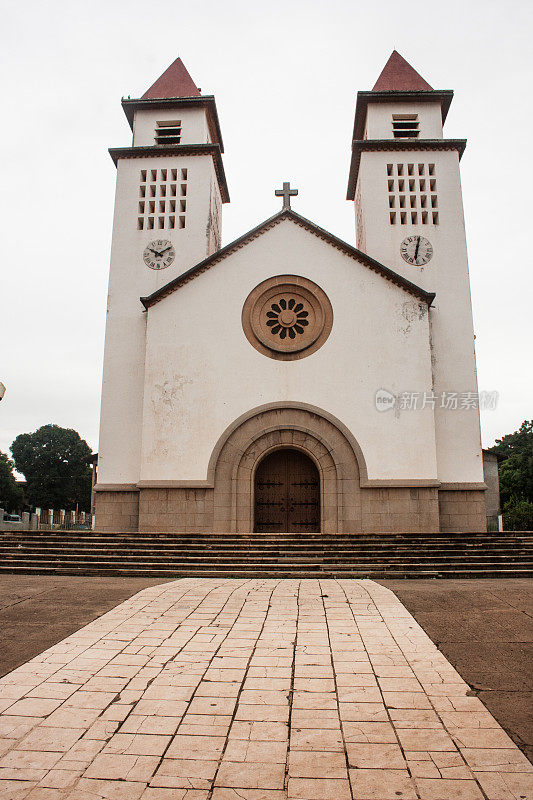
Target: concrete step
{"points": [[330, 572], [279, 558], [238, 549], [245, 538], [279, 546], [318, 564]]}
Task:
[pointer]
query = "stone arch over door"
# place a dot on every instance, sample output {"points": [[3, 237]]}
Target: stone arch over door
{"points": [[291, 425]]}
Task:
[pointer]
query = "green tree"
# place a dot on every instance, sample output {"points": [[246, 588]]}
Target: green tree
{"points": [[11, 494], [516, 470], [54, 463]]}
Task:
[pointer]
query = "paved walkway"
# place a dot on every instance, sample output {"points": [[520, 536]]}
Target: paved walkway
{"points": [[36, 611], [485, 629], [252, 690]]}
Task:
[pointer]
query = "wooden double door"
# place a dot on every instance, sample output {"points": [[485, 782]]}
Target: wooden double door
{"points": [[287, 494]]}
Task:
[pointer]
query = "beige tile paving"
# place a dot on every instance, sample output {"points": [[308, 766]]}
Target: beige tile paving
{"points": [[252, 690]]}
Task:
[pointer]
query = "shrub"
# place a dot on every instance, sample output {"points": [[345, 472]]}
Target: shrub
{"points": [[518, 515]]}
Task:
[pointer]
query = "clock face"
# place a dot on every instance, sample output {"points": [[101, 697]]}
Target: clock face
{"points": [[416, 250], [159, 254]]}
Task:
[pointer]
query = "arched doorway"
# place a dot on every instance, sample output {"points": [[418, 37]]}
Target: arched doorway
{"points": [[286, 425], [287, 494]]}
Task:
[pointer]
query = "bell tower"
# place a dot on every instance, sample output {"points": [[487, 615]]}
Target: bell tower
{"points": [[405, 180], [169, 193]]}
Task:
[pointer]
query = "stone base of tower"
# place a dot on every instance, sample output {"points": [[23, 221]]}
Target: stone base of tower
{"points": [[462, 510], [117, 511], [381, 510]]}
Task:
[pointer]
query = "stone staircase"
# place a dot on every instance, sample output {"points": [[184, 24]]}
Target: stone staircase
{"points": [[174, 555]]}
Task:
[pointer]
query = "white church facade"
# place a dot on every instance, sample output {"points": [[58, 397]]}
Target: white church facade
{"points": [[289, 381]]}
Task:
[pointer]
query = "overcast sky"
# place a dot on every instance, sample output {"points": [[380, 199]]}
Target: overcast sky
{"points": [[285, 75]]}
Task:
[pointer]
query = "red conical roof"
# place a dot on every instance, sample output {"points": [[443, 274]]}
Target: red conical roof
{"points": [[398, 75], [174, 82]]}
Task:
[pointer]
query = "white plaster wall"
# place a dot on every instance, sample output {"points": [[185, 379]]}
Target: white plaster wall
{"points": [[194, 128], [454, 368], [129, 279], [202, 373], [379, 119]]}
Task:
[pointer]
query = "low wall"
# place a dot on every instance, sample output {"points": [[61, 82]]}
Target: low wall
{"points": [[28, 523]]}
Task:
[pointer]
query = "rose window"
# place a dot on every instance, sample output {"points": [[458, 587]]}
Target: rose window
{"points": [[287, 318]]}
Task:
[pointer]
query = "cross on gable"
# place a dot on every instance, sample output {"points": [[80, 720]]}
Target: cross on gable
{"points": [[286, 193]]}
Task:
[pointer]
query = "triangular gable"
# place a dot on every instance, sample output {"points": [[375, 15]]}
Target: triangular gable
{"points": [[267, 225]]}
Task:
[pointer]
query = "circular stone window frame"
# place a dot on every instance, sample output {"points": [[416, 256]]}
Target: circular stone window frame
{"points": [[284, 350]]}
